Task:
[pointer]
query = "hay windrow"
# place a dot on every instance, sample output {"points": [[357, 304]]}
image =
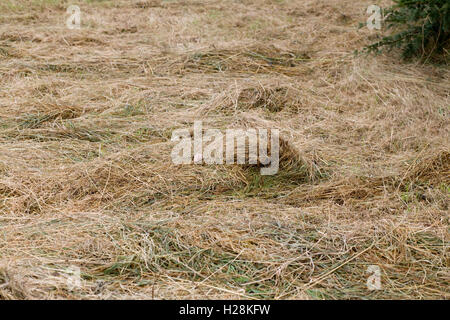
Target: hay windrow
{"points": [[252, 60], [87, 179]]}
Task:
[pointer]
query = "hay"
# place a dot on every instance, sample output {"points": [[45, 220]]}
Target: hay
{"points": [[86, 177]]}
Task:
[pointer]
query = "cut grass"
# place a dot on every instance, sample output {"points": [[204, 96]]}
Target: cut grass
{"points": [[86, 178]]}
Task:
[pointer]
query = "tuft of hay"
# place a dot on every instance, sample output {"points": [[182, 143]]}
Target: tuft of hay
{"points": [[12, 287], [433, 168]]}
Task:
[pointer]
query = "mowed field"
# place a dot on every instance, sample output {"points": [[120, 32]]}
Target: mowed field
{"points": [[87, 180]]}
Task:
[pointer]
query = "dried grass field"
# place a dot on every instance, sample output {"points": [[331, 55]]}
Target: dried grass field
{"points": [[86, 178]]}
